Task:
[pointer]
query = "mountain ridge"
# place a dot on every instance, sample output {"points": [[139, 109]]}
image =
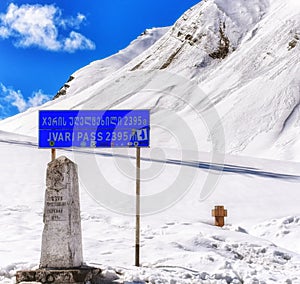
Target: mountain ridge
{"points": [[244, 57]]}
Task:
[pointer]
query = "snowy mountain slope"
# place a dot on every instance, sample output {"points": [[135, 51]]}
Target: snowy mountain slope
{"points": [[243, 56], [208, 31], [263, 93], [98, 70], [252, 95]]}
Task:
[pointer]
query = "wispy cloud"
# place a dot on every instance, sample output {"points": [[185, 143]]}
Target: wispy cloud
{"points": [[72, 22], [77, 41], [43, 26], [38, 98], [12, 101]]}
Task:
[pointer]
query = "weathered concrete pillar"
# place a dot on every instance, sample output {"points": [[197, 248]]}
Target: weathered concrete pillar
{"points": [[62, 240], [61, 257]]}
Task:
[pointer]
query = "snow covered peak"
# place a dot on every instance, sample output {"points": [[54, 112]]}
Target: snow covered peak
{"points": [[243, 55], [100, 69], [208, 31]]}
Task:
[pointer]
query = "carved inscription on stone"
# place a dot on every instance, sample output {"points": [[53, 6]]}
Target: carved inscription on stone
{"points": [[56, 208]]}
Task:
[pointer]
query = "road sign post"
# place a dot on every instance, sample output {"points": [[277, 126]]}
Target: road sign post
{"points": [[138, 206], [53, 154], [93, 129], [99, 128]]}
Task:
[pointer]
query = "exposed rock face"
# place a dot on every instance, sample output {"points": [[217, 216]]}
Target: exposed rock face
{"points": [[224, 44], [63, 90], [62, 240]]}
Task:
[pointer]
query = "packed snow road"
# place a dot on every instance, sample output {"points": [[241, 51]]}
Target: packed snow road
{"points": [[224, 168]]}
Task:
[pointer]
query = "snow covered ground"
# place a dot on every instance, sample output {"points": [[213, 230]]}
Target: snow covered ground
{"points": [[179, 244], [203, 110]]}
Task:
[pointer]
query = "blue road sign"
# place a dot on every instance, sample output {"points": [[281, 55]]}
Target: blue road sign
{"points": [[94, 128]]}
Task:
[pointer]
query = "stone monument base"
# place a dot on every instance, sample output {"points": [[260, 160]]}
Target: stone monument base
{"points": [[80, 275]]}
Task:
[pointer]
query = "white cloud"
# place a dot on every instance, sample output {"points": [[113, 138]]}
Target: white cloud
{"points": [[38, 98], [77, 41], [4, 32], [10, 98], [81, 17], [73, 22], [40, 25], [14, 98]]}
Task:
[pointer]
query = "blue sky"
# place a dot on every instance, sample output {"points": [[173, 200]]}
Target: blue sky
{"points": [[43, 42]]}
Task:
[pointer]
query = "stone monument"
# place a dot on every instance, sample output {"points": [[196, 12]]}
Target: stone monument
{"points": [[61, 256], [62, 241]]}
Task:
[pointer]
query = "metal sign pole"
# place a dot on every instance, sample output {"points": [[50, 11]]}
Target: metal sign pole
{"points": [[138, 206]]}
